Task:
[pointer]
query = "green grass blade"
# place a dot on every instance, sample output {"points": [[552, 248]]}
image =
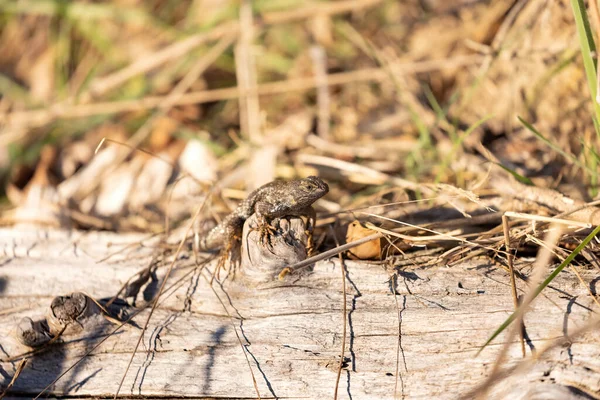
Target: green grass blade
{"points": [[595, 178], [592, 160], [556, 148], [588, 48], [567, 261], [440, 113], [543, 285], [523, 179], [594, 153]]}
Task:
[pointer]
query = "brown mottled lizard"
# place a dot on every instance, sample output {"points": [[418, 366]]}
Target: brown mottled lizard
{"points": [[276, 199]]}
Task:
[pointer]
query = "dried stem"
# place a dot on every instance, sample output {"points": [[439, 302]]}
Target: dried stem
{"points": [[513, 284]]}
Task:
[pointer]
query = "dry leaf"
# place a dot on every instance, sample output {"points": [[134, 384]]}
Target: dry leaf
{"points": [[366, 251]]}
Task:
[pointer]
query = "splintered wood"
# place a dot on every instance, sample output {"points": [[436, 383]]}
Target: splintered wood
{"points": [[427, 324]]}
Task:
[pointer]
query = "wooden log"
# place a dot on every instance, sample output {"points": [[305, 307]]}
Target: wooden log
{"points": [[290, 331]]}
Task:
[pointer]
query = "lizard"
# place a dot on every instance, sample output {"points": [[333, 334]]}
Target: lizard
{"points": [[273, 200]]}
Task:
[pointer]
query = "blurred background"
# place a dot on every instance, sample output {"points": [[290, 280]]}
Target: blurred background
{"points": [[376, 96]]}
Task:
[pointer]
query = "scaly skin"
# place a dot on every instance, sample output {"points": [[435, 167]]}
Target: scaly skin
{"points": [[276, 199]]}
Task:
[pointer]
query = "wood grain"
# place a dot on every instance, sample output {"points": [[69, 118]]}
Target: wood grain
{"points": [[290, 330]]}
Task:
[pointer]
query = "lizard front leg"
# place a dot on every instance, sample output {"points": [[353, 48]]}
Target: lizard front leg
{"points": [[263, 211]]}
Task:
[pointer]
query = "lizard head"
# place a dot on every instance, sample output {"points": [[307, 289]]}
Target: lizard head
{"points": [[310, 190]]}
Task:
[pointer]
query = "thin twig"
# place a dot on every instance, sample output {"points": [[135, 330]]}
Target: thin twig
{"points": [[344, 316], [554, 220], [560, 254], [513, 284], [333, 252], [14, 378], [526, 364], [541, 262], [441, 234], [325, 8]]}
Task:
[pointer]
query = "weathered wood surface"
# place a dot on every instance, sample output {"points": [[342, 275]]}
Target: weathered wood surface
{"points": [[291, 330]]}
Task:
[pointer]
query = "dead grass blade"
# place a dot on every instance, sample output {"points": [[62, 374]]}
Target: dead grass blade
{"points": [[440, 235], [14, 378], [344, 315], [540, 265], [555, 147], [527, 363], [558, 254], [513, 284], [542, 286], [330, 253]]}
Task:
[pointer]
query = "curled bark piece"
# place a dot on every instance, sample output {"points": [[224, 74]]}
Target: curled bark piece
{"points": [[71, 312], [66, 315], [33, 333], [263, 259]]}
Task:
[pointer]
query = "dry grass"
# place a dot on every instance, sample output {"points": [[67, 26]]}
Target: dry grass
{"points": [[408, 109]]}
